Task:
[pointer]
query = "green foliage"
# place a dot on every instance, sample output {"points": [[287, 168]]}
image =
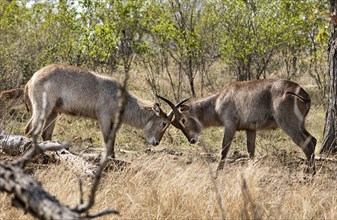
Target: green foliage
{"points": [[253, 32], [179, 30], [178, 39]]}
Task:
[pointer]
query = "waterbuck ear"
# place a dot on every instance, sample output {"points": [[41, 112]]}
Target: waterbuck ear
{"points": [[184, 108], [156, 108]]}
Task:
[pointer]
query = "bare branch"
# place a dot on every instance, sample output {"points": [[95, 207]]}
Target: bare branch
{"points": [[52, 146], [30, 196], [106, 212]]}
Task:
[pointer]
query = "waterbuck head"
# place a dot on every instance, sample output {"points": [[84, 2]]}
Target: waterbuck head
{"points": [[184, 119], [157, 125]]}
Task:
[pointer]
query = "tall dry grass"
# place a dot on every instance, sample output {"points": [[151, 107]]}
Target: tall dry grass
{"points": [[162, 186]]}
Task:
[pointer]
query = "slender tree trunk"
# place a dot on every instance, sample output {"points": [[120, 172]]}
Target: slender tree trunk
{"points": [[330, 132], [191, 75]]}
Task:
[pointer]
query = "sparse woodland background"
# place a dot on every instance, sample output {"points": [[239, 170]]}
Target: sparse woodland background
{"points": [[177, 43], [179, 49]]}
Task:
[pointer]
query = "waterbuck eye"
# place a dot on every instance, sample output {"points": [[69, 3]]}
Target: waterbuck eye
{"points": [[183, 121]]}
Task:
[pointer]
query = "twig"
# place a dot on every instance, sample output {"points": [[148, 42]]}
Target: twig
{"points": [[318, 158], [80, 183], [106, 212]]}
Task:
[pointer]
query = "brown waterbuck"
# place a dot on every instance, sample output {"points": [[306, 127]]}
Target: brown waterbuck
{"points": [[76, 91], [249, 106]]}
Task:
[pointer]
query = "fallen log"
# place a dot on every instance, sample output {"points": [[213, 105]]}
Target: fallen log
{"points": [[16, 145], [84, 168]]}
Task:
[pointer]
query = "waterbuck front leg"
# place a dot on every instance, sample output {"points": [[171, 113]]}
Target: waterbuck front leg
{"points": [[251, 137], [106, 125], [226, 142]]}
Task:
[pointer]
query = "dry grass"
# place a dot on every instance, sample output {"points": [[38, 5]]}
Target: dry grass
{"points": [[163, 186]]}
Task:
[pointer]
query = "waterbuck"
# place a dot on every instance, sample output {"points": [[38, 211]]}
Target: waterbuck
{"points": [[249, 106], [76, 91]]}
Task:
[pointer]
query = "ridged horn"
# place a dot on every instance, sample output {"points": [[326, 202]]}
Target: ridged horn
{"points": [[174, 108]]}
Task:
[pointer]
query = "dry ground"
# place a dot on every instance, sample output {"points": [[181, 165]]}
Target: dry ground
{"points": [[177, 182], [163, 186]]}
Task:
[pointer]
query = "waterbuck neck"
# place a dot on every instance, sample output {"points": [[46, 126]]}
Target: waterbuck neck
{"points": [[137, 112], [204, 111]]}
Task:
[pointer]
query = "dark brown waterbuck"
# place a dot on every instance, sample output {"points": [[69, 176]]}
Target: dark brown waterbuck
{"points": [[76, 91], [250, 106]]}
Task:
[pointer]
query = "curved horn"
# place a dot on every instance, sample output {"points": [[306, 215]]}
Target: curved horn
{"points": [[182, 102], [177, 117], [174, 110]]}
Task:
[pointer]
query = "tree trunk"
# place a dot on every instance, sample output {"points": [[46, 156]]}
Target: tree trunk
{"points": [[330, 132], [191, 75]]}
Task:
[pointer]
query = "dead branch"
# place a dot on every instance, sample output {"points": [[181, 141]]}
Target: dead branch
{"points": [[30, 196], [28, 193], [319, 158], [14, 145], [85, 168]]}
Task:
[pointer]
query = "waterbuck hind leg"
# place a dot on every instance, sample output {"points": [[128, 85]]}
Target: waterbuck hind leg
{"points": [[42, 106], [28, 127], [36, 123], [49, 126], [309, 151], [226, 142], [292, 123], [306, 142], [251, 137]]}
